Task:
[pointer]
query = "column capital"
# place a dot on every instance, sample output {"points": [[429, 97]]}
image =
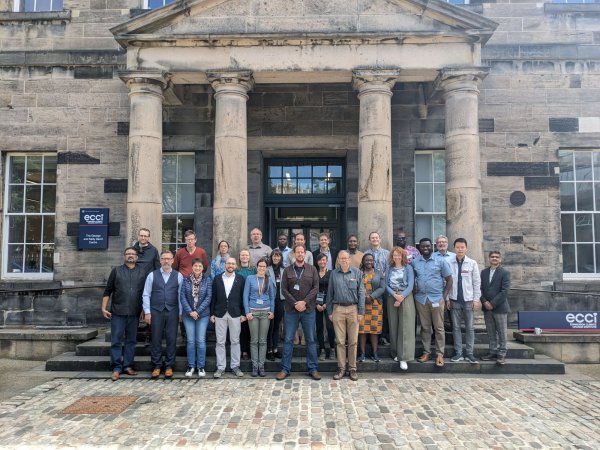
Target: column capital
{"points": [[152, 77], [460, 79], [236, 81], [383, 80]]}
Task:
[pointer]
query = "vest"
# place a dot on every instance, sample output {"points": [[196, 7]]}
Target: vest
{"points": [[164, 295]]}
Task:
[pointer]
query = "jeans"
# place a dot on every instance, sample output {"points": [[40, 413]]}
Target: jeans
{"points": [[496, 325], [195, 331], [123, 332], [273, 336], [345, 323], [460, 311], [322, 317], [259, 328], [291, 320]]}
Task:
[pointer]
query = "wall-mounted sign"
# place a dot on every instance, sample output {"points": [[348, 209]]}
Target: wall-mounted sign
{"points": [[93, 228], [559, 320]]}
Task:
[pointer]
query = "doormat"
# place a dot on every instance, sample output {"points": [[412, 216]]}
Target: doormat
{"points": [[108, 404]]}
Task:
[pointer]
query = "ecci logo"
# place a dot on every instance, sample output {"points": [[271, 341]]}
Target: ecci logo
{"points": [[94, 218], [582, 320]]}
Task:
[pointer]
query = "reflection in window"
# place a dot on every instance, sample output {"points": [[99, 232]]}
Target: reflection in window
{"points": [[580, 211], [430, 194], [179, 198], [38, 5], [30, 216], [304, 179]]}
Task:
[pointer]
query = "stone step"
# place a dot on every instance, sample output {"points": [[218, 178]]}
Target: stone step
{"points": [[538, 365], [98, 347]]}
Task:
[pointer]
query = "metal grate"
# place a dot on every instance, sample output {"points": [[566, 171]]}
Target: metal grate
{"points": [[100, 405]]}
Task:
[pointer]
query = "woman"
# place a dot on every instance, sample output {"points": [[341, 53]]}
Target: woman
{"points": [[259, 306], [275, 270], [245, 269], [372, 323], [195, 297], [321, 315], [401, 307], [217, 265]]}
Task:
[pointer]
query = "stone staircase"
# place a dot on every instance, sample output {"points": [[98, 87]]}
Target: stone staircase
{"points": [[93, 355]]}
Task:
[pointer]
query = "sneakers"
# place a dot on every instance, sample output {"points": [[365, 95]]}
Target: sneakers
{"points": [[201, 373], [489, 357], [190, 372], [339, 374], [353, 375], [218, 373], [471, 359], [254, 370], [261, 371], [321, 355], [375, 357], [501, 360], [457, 358], [395, 358], [361, 358], [237, 372], [403, 365]]}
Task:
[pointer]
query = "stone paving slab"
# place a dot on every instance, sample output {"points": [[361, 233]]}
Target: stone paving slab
{"points": [[373, 413]]}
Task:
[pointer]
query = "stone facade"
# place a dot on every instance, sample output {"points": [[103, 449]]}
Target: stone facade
{"points": [[68, 86]]}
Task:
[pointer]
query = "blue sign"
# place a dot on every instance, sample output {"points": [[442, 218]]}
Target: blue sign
{"points": [[93, 228], [559, 320]]}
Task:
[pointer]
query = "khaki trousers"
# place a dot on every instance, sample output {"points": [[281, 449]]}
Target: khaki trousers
{"points": [[432, 317], [345, 324]]}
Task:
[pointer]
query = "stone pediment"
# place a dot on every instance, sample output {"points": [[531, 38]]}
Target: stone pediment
{"points": [[300, 22]]}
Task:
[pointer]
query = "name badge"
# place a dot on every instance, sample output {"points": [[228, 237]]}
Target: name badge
{"points": [[296, 287], [259, 302]]}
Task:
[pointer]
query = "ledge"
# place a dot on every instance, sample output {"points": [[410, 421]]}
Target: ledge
{"points": [[34, 16], [560, 8], [579, 338], [32, 285], [34, 334]]}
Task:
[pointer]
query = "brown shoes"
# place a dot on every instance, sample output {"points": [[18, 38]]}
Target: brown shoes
{"points": [[156, 373], [169, 373], [129, 371], [501, 360], [339, 374], [115, 376], [282, 375], [424, 357], [353, 375], [439, 360], [315, 375]]}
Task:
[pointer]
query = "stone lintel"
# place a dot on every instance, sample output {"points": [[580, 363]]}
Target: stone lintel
{"points": [[155, 77], [459, 78], [375, 79], [237, 81]]}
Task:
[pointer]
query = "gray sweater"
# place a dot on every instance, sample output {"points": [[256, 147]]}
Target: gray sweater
{"points": [[346, 288]]}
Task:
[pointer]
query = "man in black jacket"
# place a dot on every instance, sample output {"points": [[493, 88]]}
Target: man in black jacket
{"points": [[226, 312], [147, 253], [126, 285], [495, 284]]}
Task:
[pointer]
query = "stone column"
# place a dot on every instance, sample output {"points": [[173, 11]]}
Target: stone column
{"points": [[230, 204], [144, 186], [375, 154], [460, 88]]}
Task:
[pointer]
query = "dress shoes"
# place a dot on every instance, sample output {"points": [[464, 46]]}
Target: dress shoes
{"points": [[424, 357], [156, 373], [169, 373], [439, 360], [115, 376], [129, 371], [315, 375], [353, 375], [339, 374], [282, 375]]}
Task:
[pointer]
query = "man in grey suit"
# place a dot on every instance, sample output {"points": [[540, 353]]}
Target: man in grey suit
{"points": [[495, 284]]}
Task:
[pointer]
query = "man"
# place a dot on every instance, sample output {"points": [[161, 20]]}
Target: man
{"points": [[324, 243], [282, 242], [441, 245], [162, 311], [226, 312], [355, 254], [431, 273], [147, 254], [185, 255], [125, 285], [299, 285], [495, 284], [400, 241], [256, 248], [299, 240], [464, 300], [345, 308], [381, 255]]}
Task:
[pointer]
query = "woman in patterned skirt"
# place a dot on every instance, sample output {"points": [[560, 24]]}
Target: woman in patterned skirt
{"points": [[372, 322]]}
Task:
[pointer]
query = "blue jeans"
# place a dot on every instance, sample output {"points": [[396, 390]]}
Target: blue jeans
{"points": [[460, 311], [123, 332], [291, 320], [195, 331]]}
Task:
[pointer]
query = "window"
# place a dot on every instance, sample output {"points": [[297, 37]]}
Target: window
{"points": [[179, 198], [580, 211], [575, 1], [29, 215], [458, 2], [38, 5], [154, 4], [430, 194], [305, 179]]}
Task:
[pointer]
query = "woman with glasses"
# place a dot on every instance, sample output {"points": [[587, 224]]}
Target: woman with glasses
{"points": [[245, 269], [217, 265]]}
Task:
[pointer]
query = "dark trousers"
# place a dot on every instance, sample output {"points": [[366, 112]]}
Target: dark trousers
{"points": [[322, 317], [385, 332], [123, 334], [245, 338], [273, 336], [164, 324]]}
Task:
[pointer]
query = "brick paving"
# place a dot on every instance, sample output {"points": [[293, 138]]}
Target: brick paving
{"points": [[376, 413]]}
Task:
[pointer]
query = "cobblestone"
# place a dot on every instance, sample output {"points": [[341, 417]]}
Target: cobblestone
{"points": [[226, 413]]}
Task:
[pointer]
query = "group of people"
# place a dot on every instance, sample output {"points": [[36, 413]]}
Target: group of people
{"points": [[347, 296]]}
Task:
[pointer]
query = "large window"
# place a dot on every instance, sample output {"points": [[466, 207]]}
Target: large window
{"points": [[38, 5], [430, 194], [580, 211], [178, 198], [29, 215], [305, 179]]}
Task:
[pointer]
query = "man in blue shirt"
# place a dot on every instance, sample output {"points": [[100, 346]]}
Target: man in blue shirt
{"points": [[430, 274]]}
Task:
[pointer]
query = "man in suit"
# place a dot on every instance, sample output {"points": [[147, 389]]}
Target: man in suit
{"points": [[324, 242], [226, 312], [162, 312], [495, 283]]}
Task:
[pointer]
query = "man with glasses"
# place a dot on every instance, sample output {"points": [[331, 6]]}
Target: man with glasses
{"points": [[185, 255], [125, 285], [400, 241]]}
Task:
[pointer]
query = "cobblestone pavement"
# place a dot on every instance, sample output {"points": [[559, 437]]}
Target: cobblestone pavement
{"points": [[376, 413]]}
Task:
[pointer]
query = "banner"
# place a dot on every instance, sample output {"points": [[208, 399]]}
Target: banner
{"points": [[559, 320], [93, 228]]}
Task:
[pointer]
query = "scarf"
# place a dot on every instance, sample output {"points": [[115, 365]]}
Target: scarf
{"points": [[195, 287]]}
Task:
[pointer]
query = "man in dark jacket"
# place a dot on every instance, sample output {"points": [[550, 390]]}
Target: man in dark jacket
{"points": [[147, 253], [495, 284], [125, 284]]}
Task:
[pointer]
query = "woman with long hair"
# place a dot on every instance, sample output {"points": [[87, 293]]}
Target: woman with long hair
{"points": [[275, 270]]}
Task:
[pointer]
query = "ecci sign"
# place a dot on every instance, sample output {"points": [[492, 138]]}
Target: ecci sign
{"points": [[93, 228], [559, 320]]}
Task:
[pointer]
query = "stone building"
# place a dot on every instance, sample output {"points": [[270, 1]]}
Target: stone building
{"points": [[476, 120]]}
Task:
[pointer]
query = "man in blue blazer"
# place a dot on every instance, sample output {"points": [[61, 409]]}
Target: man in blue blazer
{"points": [[495, 284]]}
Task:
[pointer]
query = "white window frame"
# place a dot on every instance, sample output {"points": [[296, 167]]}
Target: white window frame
{"points": [[5, 224], [147, 3], [595, 213], [177, 213], [434, 182], [18, 3]]}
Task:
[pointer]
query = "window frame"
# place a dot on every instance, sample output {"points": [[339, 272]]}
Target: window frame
{"points": [[431, 214], [33, 276], [18, 6], [165, 3], [173, 246]]}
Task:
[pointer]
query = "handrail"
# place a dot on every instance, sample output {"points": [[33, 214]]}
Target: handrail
{"points": [[551, 291]]}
